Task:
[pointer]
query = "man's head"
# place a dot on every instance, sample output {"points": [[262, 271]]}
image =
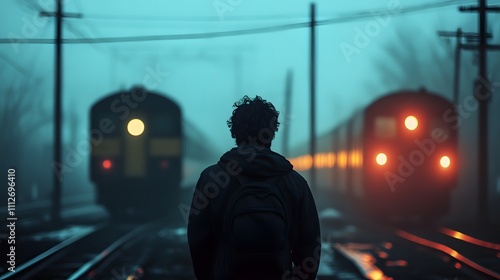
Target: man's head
{"points": [[254, 121]]}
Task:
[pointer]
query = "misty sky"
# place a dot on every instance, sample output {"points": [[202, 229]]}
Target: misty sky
{"points": [[207, 75]]}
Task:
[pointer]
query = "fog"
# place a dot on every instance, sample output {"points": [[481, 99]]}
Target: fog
{"points": [[360, 57]]}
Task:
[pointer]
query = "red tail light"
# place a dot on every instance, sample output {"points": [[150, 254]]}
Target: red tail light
{"points": [[107, 164]]}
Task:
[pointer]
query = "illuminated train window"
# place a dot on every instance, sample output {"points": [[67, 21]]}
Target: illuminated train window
{"points": [[385, 127]]}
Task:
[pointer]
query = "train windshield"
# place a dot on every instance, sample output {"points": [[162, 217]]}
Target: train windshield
{"points": [[385, 127]]}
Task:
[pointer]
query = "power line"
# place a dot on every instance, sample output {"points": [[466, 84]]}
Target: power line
{"points": [[204, 19], [160, 37], [215, 19], [219, 34]]}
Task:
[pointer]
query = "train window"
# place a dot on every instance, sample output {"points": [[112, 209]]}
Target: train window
{"points": [[385, 127]]}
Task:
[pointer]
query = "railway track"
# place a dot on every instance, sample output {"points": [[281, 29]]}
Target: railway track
{"points": [[477, 258], [160, 255], [422, 253], [79, 256]]}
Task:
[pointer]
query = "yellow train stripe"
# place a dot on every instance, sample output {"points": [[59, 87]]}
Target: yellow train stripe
{"points": [[135, 156], [165, 147], [107, 147]]}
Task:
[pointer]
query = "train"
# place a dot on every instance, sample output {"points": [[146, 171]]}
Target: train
{"points": [[136, 152], [393, 159]]}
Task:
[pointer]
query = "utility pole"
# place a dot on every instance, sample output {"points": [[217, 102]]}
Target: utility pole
{"points": [[57, 161], [456, 76], [288, 112], [456, 80], [313, 95], [482, 92], [56, 195], [458, 47], [470, 37], [483, 210]]}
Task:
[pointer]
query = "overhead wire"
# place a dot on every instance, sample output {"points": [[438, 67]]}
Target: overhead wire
{"points": [[217, 19], [240, 32]]}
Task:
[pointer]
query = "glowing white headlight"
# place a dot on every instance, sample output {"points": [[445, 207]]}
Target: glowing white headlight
{"points": [[135, 127]]}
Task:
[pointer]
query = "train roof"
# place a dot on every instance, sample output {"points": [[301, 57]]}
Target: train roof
{"points": [[160, 99], [408, 94]]}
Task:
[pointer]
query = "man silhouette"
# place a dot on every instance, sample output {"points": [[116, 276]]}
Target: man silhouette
{"points": [[211, 227]]}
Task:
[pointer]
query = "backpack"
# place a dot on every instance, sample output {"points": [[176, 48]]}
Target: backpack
{"points": [[256, 230]]}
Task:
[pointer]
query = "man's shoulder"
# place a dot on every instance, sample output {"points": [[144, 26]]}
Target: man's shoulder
{"points": [[212, 168], [295, 182], [294, 175]]}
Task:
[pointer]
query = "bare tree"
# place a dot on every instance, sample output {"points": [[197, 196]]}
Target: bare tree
{"points": [[21, 116]]}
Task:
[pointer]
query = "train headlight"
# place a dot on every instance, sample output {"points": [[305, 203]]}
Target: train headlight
{"points": [[381, 159], [107, 164], [135, 127], [445, 162], [411, 122]]}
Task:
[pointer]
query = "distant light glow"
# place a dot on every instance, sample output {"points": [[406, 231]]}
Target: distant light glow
{"points": [[342, 159], [411, 122], [445, 162], [375, 275], [135, 127], [164, 164], [381, 159], [107, 164]]}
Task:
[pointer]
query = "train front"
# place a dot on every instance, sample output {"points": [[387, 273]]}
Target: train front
{"points": [[136, 152], [410, 155]]}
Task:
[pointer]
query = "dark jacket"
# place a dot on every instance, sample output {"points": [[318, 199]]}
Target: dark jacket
{"points": [[215, 187]]}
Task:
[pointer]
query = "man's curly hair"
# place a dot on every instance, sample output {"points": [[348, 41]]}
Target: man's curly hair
{"points": [[254, 121]]}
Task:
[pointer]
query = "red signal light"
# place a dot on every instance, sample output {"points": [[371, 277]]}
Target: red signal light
{"points": [[107, 164]]}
